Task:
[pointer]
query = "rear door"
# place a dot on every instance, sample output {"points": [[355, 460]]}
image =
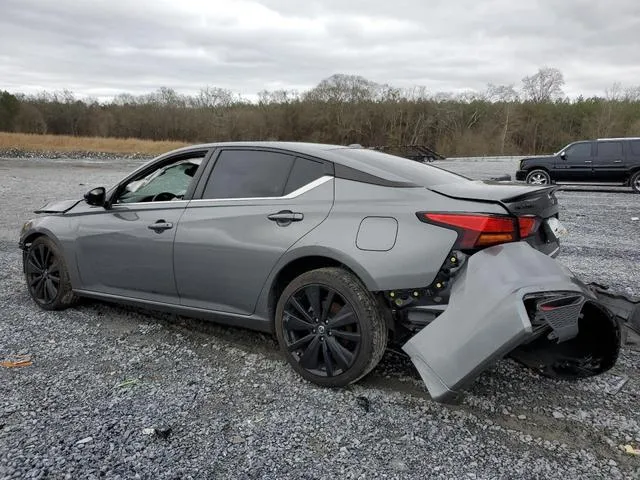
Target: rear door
{"points": [[610, 164], [575, 163], [249, 209]]}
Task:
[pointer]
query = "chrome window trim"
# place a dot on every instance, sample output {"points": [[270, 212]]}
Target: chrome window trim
{"points": [[296, 193], [172, 202]]}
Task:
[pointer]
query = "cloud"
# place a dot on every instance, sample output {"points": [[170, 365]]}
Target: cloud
{"points": [[104, 47]]}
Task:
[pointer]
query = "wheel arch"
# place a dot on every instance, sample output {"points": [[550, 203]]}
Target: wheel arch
{"points": [[539, 167], [304, 260], [39, 231], [29, 237], [632, 172]]}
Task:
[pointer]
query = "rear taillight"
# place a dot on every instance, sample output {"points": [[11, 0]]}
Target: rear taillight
{"points": [[479, 230], [528, 225]]}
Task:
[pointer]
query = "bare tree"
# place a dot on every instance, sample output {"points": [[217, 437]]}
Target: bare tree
{"points": [[507, 95], [210, 97], [544, 86], [632, 94], [344, 88], [501, 93], [614, 92]]}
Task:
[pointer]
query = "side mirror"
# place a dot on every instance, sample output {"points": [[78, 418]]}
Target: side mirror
{"points": [[95, 196], [563, 155]]}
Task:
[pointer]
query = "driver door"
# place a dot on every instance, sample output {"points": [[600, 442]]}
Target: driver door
{"points": [[127, 248], [575, 163]]}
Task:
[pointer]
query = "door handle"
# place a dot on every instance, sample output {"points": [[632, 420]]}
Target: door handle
{"points": [[617, 161], [587, 161], [160, 226], [285, 217]]}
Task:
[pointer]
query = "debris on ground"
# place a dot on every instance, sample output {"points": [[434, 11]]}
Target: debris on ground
{"points": [[160, 432], [615, 383], [84, 440], [631, 450], [17, 361], [128, 383]]}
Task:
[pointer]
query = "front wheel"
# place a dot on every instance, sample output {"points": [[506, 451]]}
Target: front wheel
{"points": [[47, 276], [538, 177], [635, 182], [329, 327]]}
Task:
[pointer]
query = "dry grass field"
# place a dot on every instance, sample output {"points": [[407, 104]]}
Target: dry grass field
{"points": [[64, 143]]}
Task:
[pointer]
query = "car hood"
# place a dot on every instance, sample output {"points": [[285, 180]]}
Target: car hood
{"points": [[60, 206], [490, 191]]}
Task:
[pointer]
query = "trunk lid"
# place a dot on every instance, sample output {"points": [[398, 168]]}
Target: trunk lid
{"points": [[517, 198]]}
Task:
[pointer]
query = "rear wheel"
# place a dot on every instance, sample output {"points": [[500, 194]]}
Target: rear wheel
{"points": [[538, 177], [635, 182], [329, 327], [47, 276]]}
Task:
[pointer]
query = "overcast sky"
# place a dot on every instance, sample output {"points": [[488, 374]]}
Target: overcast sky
{"points": [[101, 48]]}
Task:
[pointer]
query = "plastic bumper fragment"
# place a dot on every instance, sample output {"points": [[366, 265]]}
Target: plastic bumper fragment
{"points": [[504, 297]]}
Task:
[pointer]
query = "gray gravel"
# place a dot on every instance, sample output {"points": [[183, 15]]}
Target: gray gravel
{"points": [[226, 405]]}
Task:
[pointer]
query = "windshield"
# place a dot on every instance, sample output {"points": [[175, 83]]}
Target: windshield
{"points": [[410, 170]]}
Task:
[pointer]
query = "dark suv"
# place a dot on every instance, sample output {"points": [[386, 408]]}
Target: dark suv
{"points": [[610, 161]]}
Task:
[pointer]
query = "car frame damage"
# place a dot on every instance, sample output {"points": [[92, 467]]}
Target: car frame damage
{"points": [[512, 300]]}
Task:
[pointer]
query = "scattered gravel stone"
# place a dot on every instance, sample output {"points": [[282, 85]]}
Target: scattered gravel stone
{"points": [[200, 379], [398, 465]]}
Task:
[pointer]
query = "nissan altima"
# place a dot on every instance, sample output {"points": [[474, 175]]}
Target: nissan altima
{"points": [[338, 251]]}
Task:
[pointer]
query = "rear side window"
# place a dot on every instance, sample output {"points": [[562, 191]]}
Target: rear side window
{"points": [[248, 174], [608, 149], [579, 150], [304, 171], [394, 168], [635, 147]]}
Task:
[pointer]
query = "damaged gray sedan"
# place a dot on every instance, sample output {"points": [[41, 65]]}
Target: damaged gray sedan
{"points": [[339, 251]]}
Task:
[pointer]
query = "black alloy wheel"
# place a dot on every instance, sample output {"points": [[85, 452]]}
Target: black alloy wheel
{"points": [[46, 275], [321, 330], [330, 327]]}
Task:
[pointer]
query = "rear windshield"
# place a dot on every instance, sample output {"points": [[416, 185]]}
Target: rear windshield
{"points": [[410, 170]]}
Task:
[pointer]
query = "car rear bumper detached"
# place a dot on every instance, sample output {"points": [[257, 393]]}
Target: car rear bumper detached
{"points": [[514, 300]]}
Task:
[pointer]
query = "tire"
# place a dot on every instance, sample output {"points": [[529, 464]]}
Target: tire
{"points": [[538, 177], [351, 322], [47, 276], [635, 182]]}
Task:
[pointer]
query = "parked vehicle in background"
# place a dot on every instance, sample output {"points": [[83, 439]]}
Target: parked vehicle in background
{"points": [[605, 161]]}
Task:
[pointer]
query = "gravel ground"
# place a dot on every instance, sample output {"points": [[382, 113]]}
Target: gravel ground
{"points": [[224, 404]]}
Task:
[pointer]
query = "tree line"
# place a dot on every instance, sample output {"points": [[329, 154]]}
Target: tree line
{"points": [[534, 117]]}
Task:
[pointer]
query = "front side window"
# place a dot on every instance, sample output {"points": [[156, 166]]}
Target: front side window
{"points": [[609, 149], [168, 182], [579, 150], [248, 174]]}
